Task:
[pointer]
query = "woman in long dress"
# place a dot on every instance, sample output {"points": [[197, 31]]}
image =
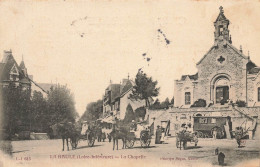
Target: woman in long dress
{"points": [[158, 135]]}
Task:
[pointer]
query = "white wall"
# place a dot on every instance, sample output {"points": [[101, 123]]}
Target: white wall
{"points": [[124, 101]]}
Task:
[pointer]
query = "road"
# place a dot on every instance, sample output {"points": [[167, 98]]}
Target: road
{"points": [[50, 152]]}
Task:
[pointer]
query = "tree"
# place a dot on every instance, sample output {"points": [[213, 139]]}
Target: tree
{"points": [[11, 113], [172, 100], [129, 115], [61, 104], [156, 105], [165, 104], [93, 111], [140, 113], [144, 88], [40, 117]]}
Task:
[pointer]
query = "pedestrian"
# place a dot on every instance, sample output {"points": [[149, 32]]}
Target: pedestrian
{"points": [[221, 158], [216, 151], [239, 135], [99, 133], [109, 137], [158, 135], [214, 133], [103, 136]]}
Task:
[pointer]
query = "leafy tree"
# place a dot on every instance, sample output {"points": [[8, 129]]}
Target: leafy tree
{"points": [[93, 111], [129, 115], [165, 104], [140, 113], [144, 88], [156, 105], [15, 108], [10, 106], [40, 117], [61, 104]]}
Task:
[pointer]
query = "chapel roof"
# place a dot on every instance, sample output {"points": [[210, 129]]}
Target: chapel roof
{"points": [[221, 15], [192, 77]]}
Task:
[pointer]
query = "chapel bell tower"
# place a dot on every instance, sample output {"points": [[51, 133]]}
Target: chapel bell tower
{"points": [[221, 27]]}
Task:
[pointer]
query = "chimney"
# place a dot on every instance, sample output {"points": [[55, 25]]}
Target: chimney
{"points": [[6, 55]]}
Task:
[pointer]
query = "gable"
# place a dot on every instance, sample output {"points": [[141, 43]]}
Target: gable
{"points": [[14, 70], [9, 66], [223, 50]]}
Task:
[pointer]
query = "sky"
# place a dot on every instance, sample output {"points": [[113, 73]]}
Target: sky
{"points": [[85, 44]]}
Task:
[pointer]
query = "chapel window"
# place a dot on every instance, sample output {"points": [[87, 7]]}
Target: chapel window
{"points": [[187, 98]]}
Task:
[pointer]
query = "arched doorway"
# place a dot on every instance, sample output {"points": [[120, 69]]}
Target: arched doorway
{"points": [[220, 93], [222, 90]]}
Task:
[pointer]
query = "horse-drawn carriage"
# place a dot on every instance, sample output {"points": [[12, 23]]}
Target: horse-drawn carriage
{"points": [[143, 136], [240, 134], [88, 132], [185, 137], [130, 136]]}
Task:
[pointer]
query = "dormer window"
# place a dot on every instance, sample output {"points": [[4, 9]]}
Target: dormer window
{"points": [[14, 74]]}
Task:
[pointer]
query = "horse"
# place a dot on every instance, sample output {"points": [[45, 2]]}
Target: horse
{"points": [[67, 131], [118, 134]]}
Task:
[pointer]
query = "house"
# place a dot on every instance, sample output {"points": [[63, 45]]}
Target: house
{"points": [[224, 74], [11, 72], [116, 99]]}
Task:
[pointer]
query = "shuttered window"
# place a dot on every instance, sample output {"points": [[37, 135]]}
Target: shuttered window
{"points": [[187, 98]]}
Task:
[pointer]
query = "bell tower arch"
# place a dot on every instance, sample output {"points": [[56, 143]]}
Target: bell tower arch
{"points": [[221, 27]]}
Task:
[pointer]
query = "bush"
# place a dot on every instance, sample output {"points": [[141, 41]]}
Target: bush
{"points": [[241, 103], [199, 103], [129, 115], [140, 113]]}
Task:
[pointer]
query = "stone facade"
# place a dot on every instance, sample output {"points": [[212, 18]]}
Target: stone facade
{"points": [[224, 74]]}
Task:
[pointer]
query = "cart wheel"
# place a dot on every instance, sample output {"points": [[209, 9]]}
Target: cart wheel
{"points": [[130, 143], [145, 143], [145, 139], [91, 141]]}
